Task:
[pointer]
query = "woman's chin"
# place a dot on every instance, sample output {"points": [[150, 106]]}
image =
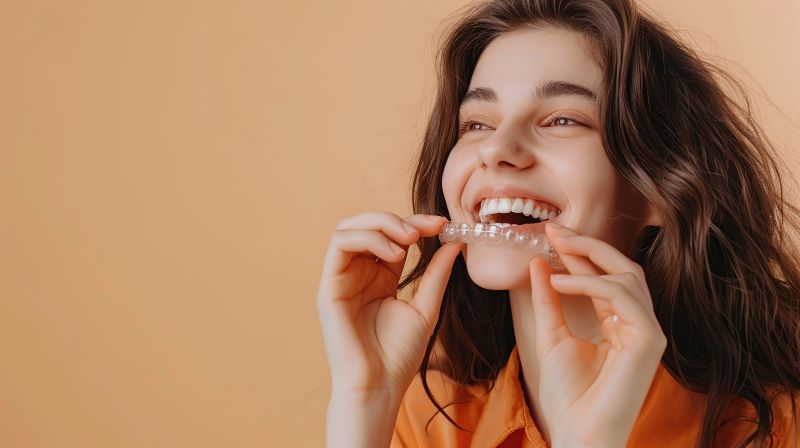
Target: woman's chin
{"points": [[498, 268]]}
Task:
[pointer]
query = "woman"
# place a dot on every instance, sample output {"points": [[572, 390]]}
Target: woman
{"points": [[679, 286]]}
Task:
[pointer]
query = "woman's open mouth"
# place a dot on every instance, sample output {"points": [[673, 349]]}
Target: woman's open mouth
{"points": [[522, 212]]}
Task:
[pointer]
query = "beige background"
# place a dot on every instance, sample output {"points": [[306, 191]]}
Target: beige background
{"points": [[170, 172]]}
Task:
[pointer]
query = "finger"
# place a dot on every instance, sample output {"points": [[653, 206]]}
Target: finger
{"points": [[602, 254], [551, 328], [579, 264], [390, 224], [346, 244], [427, 225], [401, 232], [623, 304], [575, 264], [424, 225], [428, 298]]}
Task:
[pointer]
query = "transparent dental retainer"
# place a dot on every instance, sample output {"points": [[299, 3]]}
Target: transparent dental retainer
{"points": [[499, 234]]}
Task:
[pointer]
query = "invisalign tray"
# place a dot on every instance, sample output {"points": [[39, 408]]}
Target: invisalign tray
{"points": [[494, 234]]}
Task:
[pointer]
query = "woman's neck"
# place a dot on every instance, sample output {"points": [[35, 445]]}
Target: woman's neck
{"points": [[582, 322]]}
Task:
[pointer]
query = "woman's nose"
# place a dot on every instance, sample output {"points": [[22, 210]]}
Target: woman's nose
{"points": [[504, 152]]}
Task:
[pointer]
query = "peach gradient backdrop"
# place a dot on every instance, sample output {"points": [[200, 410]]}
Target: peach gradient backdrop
{"points": [[170, 172]]}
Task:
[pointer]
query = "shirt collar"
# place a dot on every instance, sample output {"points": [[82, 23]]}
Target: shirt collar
{"points": [[506, 410]]}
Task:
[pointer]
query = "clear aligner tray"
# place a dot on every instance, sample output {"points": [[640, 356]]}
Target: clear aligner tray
{"points": [[501, 234]]}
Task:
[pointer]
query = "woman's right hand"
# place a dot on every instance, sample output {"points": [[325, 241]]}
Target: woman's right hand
{"points": [[374, 341]]}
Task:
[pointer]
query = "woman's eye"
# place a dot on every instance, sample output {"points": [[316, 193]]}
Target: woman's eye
{"points": [[562, 121], [468, 126], [557, 121]]}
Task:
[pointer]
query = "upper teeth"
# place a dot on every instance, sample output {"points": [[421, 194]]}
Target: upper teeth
{"points": [[528, 207]]}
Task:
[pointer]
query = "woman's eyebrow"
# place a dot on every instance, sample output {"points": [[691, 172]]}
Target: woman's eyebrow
{"points": [[545, 89]]}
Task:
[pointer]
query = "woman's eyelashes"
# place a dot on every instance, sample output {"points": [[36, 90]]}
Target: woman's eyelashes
{"points": [[467, 126]]}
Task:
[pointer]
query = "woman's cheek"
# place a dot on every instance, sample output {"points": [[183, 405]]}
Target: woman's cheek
{"points": [[454, 177]]}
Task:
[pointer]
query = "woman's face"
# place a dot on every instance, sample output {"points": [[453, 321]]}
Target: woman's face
{"points": [[546, 146]]}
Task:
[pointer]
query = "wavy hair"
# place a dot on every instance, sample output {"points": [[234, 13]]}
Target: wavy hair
{"points": [[723, 270]]}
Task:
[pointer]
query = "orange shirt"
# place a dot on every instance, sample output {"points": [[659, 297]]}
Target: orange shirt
{"points": [[671, 415]]}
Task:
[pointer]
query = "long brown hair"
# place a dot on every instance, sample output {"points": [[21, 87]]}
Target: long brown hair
{"points": [[723, 270]]}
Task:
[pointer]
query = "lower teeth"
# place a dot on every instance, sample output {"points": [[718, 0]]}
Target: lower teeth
{"points": [[506, 224]]}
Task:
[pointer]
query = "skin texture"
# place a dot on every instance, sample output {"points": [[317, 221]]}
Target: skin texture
{"points": [[576, 359]]}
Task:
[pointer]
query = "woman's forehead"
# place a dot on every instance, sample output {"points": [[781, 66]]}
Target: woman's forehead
{"points": [[523, 59]]}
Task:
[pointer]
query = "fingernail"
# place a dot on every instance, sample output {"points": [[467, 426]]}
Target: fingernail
{"points": [[395, 248], [559, 278]]}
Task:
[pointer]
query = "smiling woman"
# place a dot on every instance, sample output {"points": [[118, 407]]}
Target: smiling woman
{"points": [[677, 321]]}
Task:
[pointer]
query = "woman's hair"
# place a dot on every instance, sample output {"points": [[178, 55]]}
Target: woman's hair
{"points": [[723, 270]]}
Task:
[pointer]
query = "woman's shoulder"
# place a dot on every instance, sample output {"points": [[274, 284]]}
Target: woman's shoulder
{"points": [[673, 415], [785, 428]]}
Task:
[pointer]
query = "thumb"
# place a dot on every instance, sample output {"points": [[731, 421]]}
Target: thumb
{"points": [[428, 298], [551, 328]]}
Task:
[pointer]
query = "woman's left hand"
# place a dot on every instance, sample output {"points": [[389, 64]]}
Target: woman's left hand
{"points": [[591, 394]]}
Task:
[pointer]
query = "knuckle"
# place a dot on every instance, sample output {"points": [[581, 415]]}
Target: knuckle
{"points": [[657, 341], [629, 279], [345, 223], [620, 289], [392, 218], [336, 236], [358, 220], [383, 215]]}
